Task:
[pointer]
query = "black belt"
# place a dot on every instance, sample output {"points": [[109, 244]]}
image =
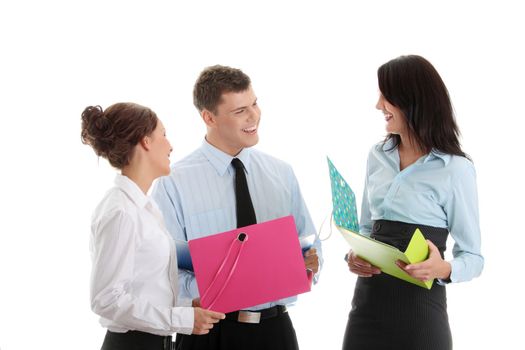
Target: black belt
{"points": [[133, 339], [246, 316], [398, 234]]}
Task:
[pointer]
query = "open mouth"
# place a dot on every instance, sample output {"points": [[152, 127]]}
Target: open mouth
{"points": [[388, 117], [250, 130]]}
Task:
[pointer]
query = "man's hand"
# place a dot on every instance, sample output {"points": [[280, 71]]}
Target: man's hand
{"points": [[311, 260]]}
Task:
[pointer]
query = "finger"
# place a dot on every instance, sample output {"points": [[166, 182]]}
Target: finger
{"points": [[311, 251], [216, 315], [358, 261], [200, 331], [419, 266], [365, 271], [431, 245], [401, 264]]}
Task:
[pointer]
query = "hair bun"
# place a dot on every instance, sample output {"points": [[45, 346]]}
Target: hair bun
{"points": [[97, 129]]}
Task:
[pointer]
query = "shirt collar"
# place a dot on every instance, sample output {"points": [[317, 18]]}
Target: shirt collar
{"points": [[434, 154], [132, 190], [221, 161]]}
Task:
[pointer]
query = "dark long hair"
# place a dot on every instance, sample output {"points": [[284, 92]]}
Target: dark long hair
{"points": [[414, 86]]}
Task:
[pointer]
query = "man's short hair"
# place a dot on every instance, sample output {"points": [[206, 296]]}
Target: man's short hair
{"points": [[215, 81]]}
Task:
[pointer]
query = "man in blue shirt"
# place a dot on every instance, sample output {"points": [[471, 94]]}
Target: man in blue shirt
{"points": [[198, 199]]}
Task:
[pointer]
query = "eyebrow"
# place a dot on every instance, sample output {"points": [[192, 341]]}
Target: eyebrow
{"points": [[236, 109]]}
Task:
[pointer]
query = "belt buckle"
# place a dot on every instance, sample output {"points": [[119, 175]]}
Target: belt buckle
{"points": [[249, 317]]}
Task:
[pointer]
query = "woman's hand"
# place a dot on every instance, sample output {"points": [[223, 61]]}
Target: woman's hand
{"points": [[361, 267], [433, 267], [205, 319]]}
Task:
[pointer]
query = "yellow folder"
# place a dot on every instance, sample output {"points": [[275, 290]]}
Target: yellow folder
{"points": [[384, 256]]}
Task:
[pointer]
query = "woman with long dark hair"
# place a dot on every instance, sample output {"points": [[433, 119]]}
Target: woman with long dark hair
{"points": [[134, 276], [418, 177]]}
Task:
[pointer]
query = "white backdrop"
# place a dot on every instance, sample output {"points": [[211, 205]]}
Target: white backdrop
{"points": [[313, 66]]}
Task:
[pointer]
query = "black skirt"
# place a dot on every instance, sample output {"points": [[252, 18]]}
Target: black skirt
{"points": [[389, 313]]}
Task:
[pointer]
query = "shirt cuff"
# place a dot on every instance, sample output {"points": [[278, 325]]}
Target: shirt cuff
{"points": [[182, 319]]}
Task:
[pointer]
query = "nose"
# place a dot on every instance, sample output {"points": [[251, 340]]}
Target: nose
{"points": [[379, 104], [254, 112]]}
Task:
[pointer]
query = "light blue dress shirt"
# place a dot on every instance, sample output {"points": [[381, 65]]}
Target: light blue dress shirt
{"points": [[198, 199], [437, 190]]}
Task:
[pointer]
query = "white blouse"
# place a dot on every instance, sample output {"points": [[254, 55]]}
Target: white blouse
{"points": [[134, 275]]}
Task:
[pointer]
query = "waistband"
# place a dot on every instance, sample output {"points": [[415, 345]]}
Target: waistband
{"points": [[138, 338], [246, 316], [398, 234]]}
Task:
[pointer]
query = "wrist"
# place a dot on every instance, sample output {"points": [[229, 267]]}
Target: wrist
{"points": [[446, 271]]}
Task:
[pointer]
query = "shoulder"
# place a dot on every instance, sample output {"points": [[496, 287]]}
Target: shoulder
{"points": [[381, 150], [115, 205], [192, 160], [461, 166], [269, 162], [186, 166]]}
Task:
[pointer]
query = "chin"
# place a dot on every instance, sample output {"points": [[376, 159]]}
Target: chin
{"points": [[252, 142]]}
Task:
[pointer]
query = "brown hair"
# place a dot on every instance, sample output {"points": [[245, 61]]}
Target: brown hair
{"points": [[213, 82], [115, 132]]}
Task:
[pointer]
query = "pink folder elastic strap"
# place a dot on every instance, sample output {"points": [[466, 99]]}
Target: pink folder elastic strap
{"points": [[249, 266]]}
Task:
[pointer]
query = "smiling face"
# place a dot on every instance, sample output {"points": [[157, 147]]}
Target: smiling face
{"points": [[396, 122], [235, 124], [160, 149]]}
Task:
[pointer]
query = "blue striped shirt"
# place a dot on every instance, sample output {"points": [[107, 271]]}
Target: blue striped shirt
{"points": [[437, 190], [198, 199]]}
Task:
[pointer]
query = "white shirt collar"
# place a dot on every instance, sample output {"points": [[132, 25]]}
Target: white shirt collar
{"points": [[132, 190]]}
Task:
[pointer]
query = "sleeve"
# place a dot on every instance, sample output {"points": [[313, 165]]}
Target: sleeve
{"points": [[365, 222], [463, 221], [303, 221], [115, 242], [167, 197]]}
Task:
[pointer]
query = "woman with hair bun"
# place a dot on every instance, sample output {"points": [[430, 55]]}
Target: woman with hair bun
{"points": [[418, 177], [134, 275]]}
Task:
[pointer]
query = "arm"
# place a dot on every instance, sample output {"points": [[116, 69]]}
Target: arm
{"points": [[305, 227], [463, 221], [168, 200], [357, 265], [115, 242], [365, 222]]}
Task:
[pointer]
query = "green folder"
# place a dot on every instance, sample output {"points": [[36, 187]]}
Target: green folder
{"points": [[379, 254], [384, 256]]}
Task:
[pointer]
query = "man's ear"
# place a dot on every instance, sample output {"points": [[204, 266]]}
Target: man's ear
{"points": [[146, 143], [209, 118]]}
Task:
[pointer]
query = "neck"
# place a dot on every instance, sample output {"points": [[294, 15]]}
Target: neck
{"points": [[410, 146], [232, 151], [409, 152], [138, 176]]}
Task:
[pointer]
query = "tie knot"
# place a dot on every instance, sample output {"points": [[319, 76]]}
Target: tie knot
{"points": [[237, 164]]}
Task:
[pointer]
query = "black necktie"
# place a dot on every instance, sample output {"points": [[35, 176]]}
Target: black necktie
{"points": [[244, 206]]}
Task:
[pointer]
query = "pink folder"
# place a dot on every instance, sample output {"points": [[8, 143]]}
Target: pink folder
{"points": [[249, 266]]}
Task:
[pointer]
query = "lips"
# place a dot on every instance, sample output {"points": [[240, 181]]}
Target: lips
{"points": [[388, 117], [250, 130]]}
